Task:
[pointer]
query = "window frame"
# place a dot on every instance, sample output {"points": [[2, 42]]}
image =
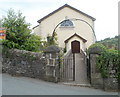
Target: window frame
{"points": [[67, 24]]}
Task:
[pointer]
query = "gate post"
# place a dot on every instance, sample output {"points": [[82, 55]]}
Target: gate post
{"points": [[73, 66], [96, 78], [52, 63]]}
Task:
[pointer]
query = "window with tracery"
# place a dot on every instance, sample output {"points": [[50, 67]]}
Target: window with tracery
{"points": [[67, 23]]}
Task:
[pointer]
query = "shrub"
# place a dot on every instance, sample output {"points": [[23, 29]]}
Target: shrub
{"points": [[96, 48], [107, 61], [18, 33]]}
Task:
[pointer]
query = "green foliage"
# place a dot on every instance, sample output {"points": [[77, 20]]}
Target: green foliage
{"points": [[98, 45], [111, 43], [6, 52], [65, 50], [96, 48], [60, 59], [118, 69], [107, 59], [0, 47], [18, 32], [10, 44], [51, 40], [33, 43], [1, 22]]}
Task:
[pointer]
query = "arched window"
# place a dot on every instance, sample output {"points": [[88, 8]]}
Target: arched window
{"points": [[67, 23]]}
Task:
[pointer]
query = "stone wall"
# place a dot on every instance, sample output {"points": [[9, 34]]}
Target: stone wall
{"points": [[30, 64], [108, 84]]}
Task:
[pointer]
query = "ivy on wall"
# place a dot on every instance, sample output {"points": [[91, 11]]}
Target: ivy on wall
{"points": [[52, 40], [108, 60]]}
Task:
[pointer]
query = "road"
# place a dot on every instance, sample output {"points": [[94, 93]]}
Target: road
{"points": [[29, 86], [0, 84]]}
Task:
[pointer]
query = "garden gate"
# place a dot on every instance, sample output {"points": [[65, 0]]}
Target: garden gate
{"points": [[66, 69]]}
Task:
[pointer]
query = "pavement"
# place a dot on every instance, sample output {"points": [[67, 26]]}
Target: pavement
{"points": [[0, 84], [29, 86]]}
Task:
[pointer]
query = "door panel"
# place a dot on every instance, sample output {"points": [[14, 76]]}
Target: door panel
{"points": [[75, 46]]}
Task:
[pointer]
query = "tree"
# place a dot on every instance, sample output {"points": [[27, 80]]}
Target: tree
{"points": [[111, 43], [18, 32], [33, 43], [0, 23]]}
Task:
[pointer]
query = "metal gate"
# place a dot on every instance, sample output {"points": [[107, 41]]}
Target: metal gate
{"points": [[66, 69]]}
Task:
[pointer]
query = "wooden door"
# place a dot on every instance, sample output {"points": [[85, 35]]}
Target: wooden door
{"points": [[75, 46]]}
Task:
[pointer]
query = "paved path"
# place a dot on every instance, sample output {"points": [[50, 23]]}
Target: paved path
{"points": [[29, 86]]}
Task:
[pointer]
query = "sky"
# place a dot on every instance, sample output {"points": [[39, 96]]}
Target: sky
{"points": [[105, 12]]}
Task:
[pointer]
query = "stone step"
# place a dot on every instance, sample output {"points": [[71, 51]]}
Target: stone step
{"points": [[76, 84]]}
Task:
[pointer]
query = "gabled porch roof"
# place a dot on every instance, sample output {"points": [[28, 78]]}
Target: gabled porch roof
{"points": [[84, 40]]}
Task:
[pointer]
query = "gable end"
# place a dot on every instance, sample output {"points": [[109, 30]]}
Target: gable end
{"points": [[66, 5]]}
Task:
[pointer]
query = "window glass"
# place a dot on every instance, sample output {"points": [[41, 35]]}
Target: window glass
{"points": [[67, 23]]}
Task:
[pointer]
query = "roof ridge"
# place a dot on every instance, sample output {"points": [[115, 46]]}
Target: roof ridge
{"points": [[65, 5]]}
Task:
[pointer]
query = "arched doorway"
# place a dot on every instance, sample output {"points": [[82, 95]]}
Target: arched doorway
{"points": [[75, 46]]}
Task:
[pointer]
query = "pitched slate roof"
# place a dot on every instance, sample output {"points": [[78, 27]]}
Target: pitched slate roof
{"points": [[66, 5], [84, 40]]}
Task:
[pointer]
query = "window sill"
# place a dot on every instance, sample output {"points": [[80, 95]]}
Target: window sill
{"points": [[67, 27]]}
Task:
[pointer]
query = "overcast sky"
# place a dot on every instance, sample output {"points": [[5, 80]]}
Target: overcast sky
{"points": [[105, 12]]}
